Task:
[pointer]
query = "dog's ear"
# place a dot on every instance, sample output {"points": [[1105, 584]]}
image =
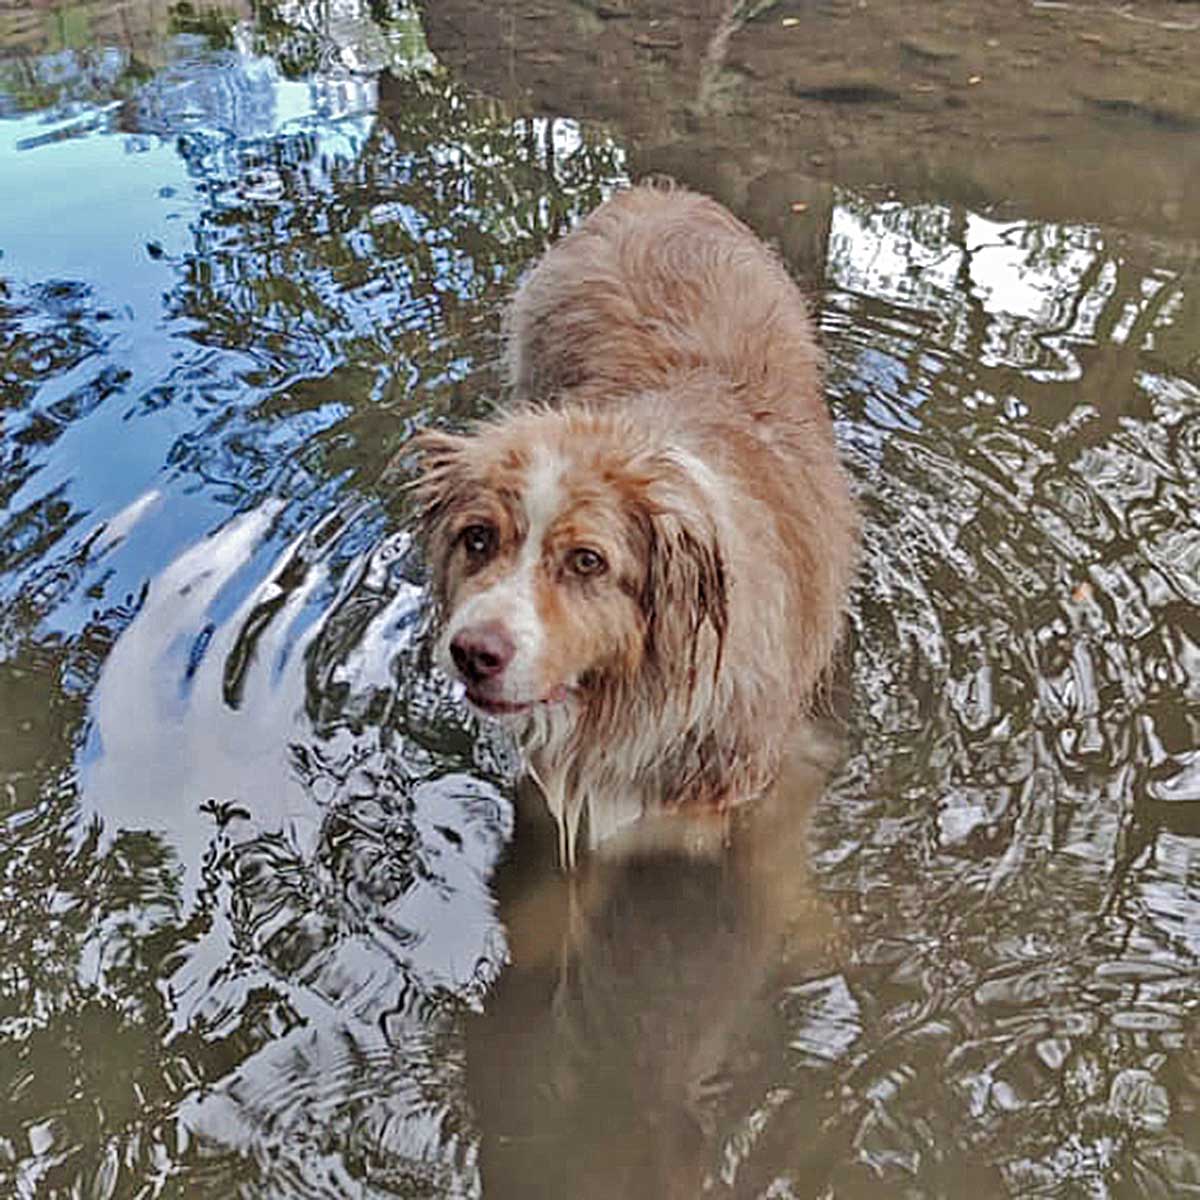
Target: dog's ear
{"points": [[685, 590], [442, 475]]}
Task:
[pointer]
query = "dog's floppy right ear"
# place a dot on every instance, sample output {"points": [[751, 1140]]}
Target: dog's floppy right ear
{"points": [[441, 477], [441, 485]]}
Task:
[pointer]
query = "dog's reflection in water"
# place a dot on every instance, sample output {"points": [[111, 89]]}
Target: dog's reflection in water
{"points": [[638, 988]]}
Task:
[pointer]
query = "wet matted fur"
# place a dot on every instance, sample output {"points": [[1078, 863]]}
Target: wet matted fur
{"points": [[642, 568]]}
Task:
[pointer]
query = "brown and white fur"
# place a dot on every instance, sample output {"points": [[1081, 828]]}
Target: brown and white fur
{"points": [[642, 569]]}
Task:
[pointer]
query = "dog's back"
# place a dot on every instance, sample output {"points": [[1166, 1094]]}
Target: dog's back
{"points": [[657, 283]]}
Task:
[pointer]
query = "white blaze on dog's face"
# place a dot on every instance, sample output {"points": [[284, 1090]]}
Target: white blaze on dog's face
{"points": [[495, 638], [553, 550]]}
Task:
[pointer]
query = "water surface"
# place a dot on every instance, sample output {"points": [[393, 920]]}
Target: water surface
{"points": [[275, 918]]}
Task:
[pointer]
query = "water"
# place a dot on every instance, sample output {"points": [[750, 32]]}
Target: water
{"points": [[275, 918]]}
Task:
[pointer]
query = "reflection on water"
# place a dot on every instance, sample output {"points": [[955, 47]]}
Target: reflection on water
{"points": [[636, 1013], [265, 925], [1028, 633]]}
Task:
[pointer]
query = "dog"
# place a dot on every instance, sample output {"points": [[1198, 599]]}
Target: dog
{"points": [[642, 568]]}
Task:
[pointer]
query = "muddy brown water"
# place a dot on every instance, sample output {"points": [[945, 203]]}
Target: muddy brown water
{"points": [[276, 918]]}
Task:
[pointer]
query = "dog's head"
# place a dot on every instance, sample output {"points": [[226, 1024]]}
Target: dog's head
{"points": [[575, 564]]}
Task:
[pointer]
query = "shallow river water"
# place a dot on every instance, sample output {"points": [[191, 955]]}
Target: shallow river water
{"points": [[276, 918]]}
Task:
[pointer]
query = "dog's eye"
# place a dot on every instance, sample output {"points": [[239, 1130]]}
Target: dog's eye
{"points": [[585, 562], [479, 541]]}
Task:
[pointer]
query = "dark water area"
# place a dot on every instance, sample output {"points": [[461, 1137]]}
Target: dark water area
{"points": [[277, 918]]}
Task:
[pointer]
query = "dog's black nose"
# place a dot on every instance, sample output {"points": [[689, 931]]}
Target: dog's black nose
{"points": [[481, 651]]}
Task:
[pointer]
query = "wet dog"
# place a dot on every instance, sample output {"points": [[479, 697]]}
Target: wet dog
{"points": [[642, 569]]}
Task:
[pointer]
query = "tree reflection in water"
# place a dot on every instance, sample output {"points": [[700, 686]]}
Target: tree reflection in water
{"points": [[249, 929]]}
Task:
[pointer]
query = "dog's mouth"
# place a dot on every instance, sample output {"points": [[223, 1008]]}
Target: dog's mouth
{"points": [[494, 707]]}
